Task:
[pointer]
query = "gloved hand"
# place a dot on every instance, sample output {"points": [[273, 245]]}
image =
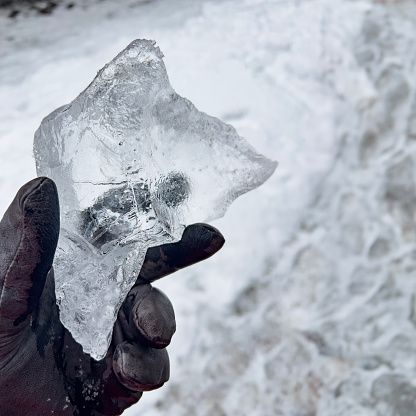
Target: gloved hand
{"points": [[43, 370]]}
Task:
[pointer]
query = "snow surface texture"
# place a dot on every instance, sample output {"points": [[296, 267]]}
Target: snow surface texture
{"points": [[134, 163], [309, 309]]}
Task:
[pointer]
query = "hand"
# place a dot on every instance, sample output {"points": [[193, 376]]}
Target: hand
{"points": [[43, 370]]}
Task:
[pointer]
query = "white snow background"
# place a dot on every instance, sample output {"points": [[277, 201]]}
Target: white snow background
{"points": [[310, 307]]}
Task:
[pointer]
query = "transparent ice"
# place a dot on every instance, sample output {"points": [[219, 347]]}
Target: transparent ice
{"points": [[134, 163]]}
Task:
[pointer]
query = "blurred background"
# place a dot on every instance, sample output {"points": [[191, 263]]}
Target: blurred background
{"points": [[310, 307]]}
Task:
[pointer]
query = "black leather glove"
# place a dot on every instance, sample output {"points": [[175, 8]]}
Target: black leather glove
{"points": [[43, 371]]}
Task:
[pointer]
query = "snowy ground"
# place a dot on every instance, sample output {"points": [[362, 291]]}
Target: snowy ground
{"points": [[310, 308]]}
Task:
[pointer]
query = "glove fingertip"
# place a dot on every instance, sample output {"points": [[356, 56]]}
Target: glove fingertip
{"points": [[154, 319], [140, 368], [40, 207]]}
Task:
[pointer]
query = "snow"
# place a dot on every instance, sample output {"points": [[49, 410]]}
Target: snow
{"points": [[309, 309]]}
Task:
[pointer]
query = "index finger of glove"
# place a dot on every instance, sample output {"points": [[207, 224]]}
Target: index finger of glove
{"points": [[28, 237], [199, 242]]}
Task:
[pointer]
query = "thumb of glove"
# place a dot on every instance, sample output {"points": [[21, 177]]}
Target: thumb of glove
{"points": [[29, 234]]}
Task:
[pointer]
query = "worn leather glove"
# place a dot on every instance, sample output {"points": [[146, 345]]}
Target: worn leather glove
{"points": [[43, 370]]}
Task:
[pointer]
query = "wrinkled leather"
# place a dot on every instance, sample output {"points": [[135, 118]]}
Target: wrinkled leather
{"points": [[43, 370]]}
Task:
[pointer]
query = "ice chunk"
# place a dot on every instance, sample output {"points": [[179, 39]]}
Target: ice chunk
{"points": [[134, 163]]}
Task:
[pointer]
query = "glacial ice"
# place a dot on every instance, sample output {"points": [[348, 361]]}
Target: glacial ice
{"points": [[134, 163]]}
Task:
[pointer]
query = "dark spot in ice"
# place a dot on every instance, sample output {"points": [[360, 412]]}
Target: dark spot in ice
{"points": [[174, 189], [111, 216]]}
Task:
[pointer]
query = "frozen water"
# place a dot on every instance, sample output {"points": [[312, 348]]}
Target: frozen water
{"points": [[134, 163]]}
